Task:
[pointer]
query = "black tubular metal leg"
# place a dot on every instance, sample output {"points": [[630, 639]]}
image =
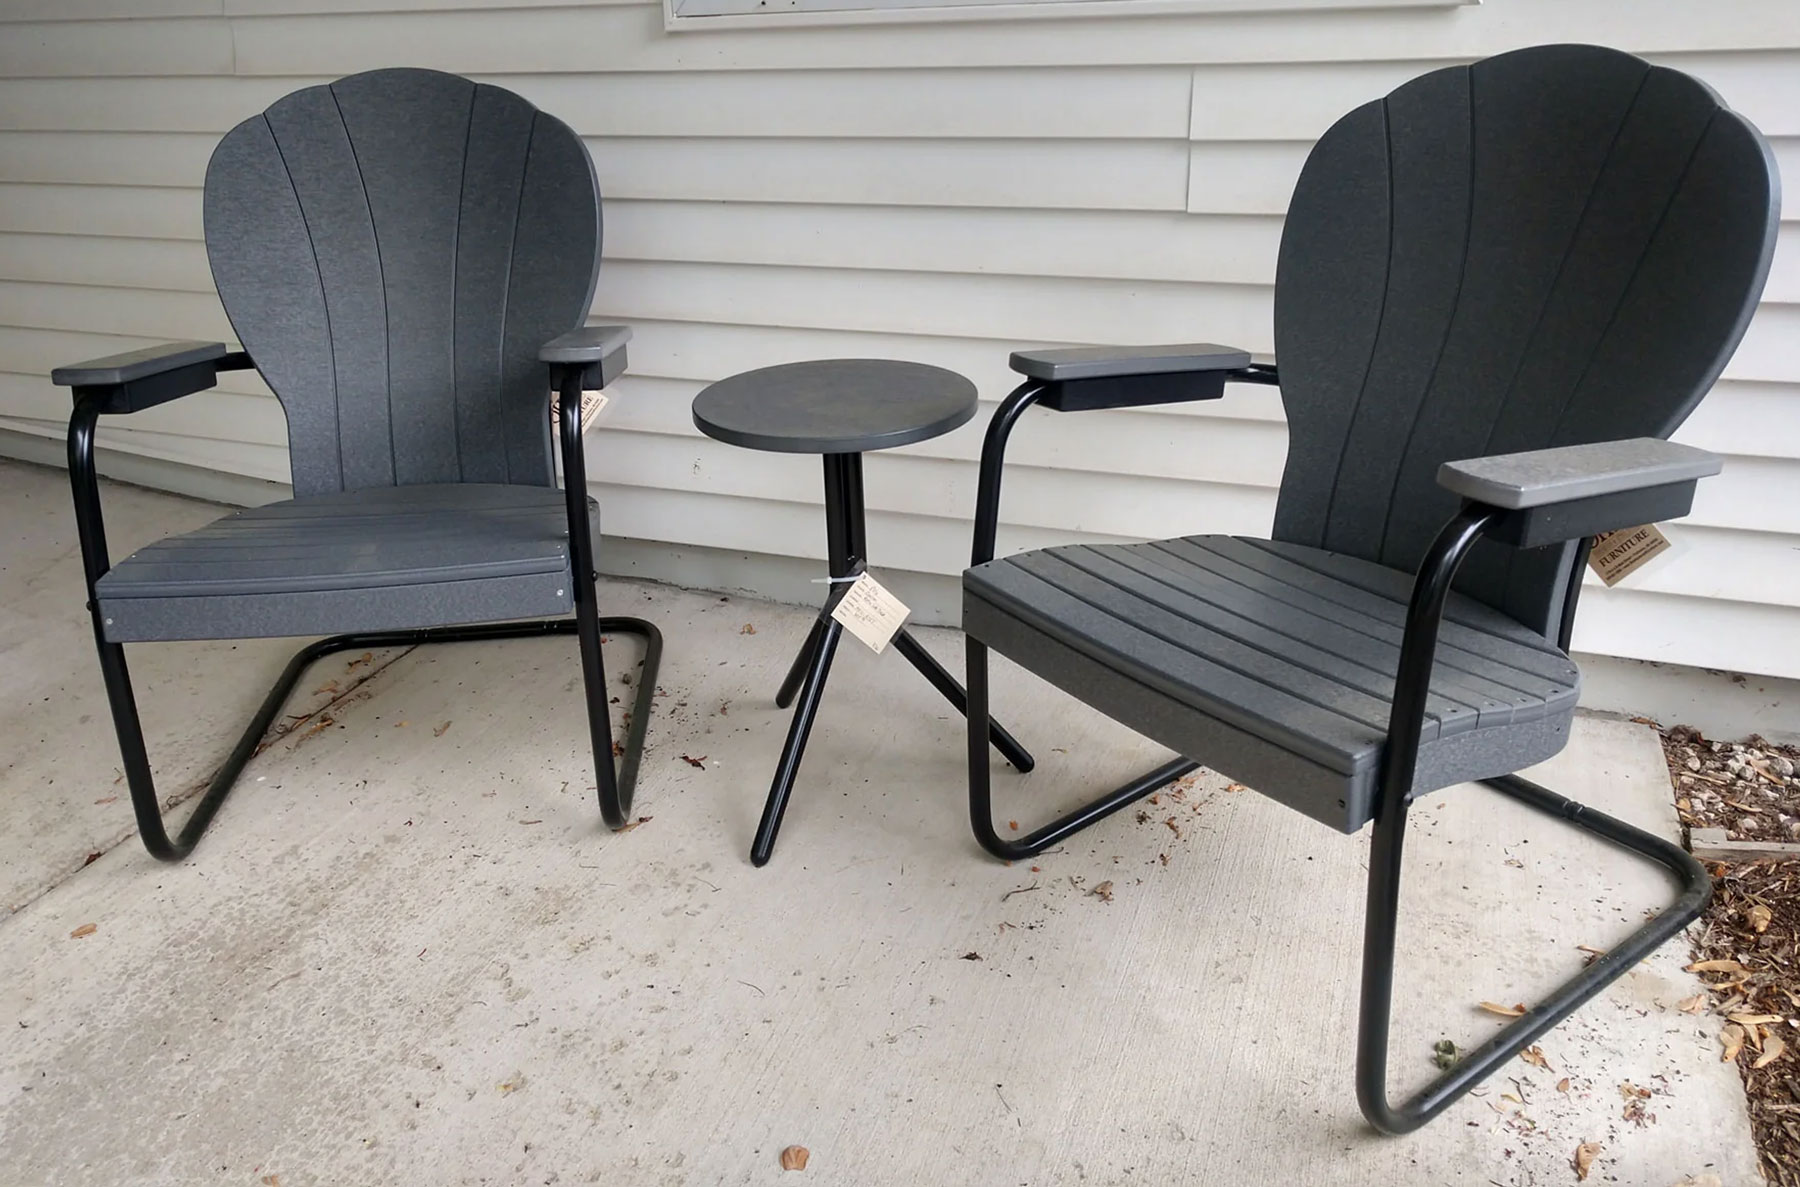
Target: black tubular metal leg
{"points": [[846, 550], [790, 684], [795, 747], [981, 808], [1431, 591], [615, 789], [928, 666], [1475, 1066]]}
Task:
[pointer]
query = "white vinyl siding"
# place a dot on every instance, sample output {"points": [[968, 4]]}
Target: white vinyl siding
{"points": [[946, 193]]}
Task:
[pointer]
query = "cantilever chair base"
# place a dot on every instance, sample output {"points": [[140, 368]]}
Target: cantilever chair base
{"points": [[615, 794]]}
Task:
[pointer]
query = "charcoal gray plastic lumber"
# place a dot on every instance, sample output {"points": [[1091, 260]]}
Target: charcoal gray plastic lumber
{"points": [[394, 250], [1107, 362], [1564, 474], [1533, 263], [133, 365], [590, 344], [835, 406]]}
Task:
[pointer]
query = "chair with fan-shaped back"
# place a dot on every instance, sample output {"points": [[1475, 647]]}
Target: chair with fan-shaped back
{"points": [[407, 258], [1499, 289]]}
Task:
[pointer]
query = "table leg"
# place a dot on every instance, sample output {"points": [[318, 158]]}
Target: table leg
{"points": [[791, 752], [946, 684]]}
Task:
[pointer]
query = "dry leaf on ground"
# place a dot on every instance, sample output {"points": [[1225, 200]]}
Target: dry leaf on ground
{"points": [[1562, 1085], [634, 824], [511, 1084], [1759, 918], [1535, 1057], [86, 929], [1583, 1160], [794, 1158], [1732, 1039], [691, 761], [439, 731], [1103, 892], [1716, 966], [1772, 1050], [1692, 1005], [1513, 1011]]}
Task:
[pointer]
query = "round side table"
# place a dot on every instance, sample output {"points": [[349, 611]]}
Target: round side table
{"points": [[840, 408]]}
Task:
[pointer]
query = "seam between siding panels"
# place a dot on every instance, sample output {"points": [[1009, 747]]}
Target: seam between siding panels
{"points": [[1387, 137], [387, 329], [337, 415]]}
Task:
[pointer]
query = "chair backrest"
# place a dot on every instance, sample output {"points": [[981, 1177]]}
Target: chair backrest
{"points": [[1554, 246], [392, 249]]}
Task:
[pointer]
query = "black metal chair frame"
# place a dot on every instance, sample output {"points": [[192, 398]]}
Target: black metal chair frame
{"points": [[1431, 592], [615, 786]]}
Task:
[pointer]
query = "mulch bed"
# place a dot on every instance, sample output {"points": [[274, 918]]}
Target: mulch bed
{"points": [[1747, 947]]}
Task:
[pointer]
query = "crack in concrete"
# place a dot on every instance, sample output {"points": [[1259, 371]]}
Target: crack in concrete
{"points": [[287, 727]]}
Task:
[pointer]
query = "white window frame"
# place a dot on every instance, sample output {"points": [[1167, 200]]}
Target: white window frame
{"points": [[687, 15]]}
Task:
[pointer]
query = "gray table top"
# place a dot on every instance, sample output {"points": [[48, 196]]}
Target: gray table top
{"points": [[835, 406]]}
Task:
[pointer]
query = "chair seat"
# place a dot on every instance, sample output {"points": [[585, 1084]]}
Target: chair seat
{"points": [[381, 559], [1273, 663]]}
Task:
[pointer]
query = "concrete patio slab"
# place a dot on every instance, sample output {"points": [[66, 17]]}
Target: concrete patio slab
{"points": [[408, 952]]}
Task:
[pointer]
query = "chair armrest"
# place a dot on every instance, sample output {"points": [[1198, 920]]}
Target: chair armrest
{"points": [[1112, 362], [139, 379], [1553, 495], [599, 351], [1083, 378]]}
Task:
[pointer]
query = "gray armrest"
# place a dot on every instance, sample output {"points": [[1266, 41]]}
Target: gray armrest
{"points": [[137, 364], [1112, 362], [589, 344], [1515, 481]]}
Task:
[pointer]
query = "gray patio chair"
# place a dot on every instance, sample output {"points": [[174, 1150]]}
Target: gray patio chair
{"points": [[401, 253], [1498, 289]]}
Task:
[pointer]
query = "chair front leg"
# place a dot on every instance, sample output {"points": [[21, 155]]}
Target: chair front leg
{"points": [[1431, 592], [981, 808]]}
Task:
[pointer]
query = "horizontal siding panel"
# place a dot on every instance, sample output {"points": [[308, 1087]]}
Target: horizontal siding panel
{"points": [[224, 417], [633, 38], [89, 10], [1760, 419], [1050, 174], [267, 462], [143, 211], [212, 104], [112, 48], [106, 158], [1060, 104], [1003, 307], [1733, 635], [913, 542], [1092, 244]]}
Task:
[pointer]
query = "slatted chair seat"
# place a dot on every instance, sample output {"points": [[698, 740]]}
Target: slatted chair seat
{"points": [[385, 559], [1280, 655]]}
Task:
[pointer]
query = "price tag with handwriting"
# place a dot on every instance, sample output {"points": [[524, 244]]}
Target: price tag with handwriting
{"points": [[870, 612], [591, 405]]}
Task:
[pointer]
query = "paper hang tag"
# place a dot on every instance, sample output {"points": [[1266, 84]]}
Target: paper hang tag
{"points": [[591, 404], [870, 612], [1617, 555]]}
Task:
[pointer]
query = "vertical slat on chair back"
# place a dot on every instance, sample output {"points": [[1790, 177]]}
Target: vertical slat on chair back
{"points": [[1554, 246], [392, 249]]}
